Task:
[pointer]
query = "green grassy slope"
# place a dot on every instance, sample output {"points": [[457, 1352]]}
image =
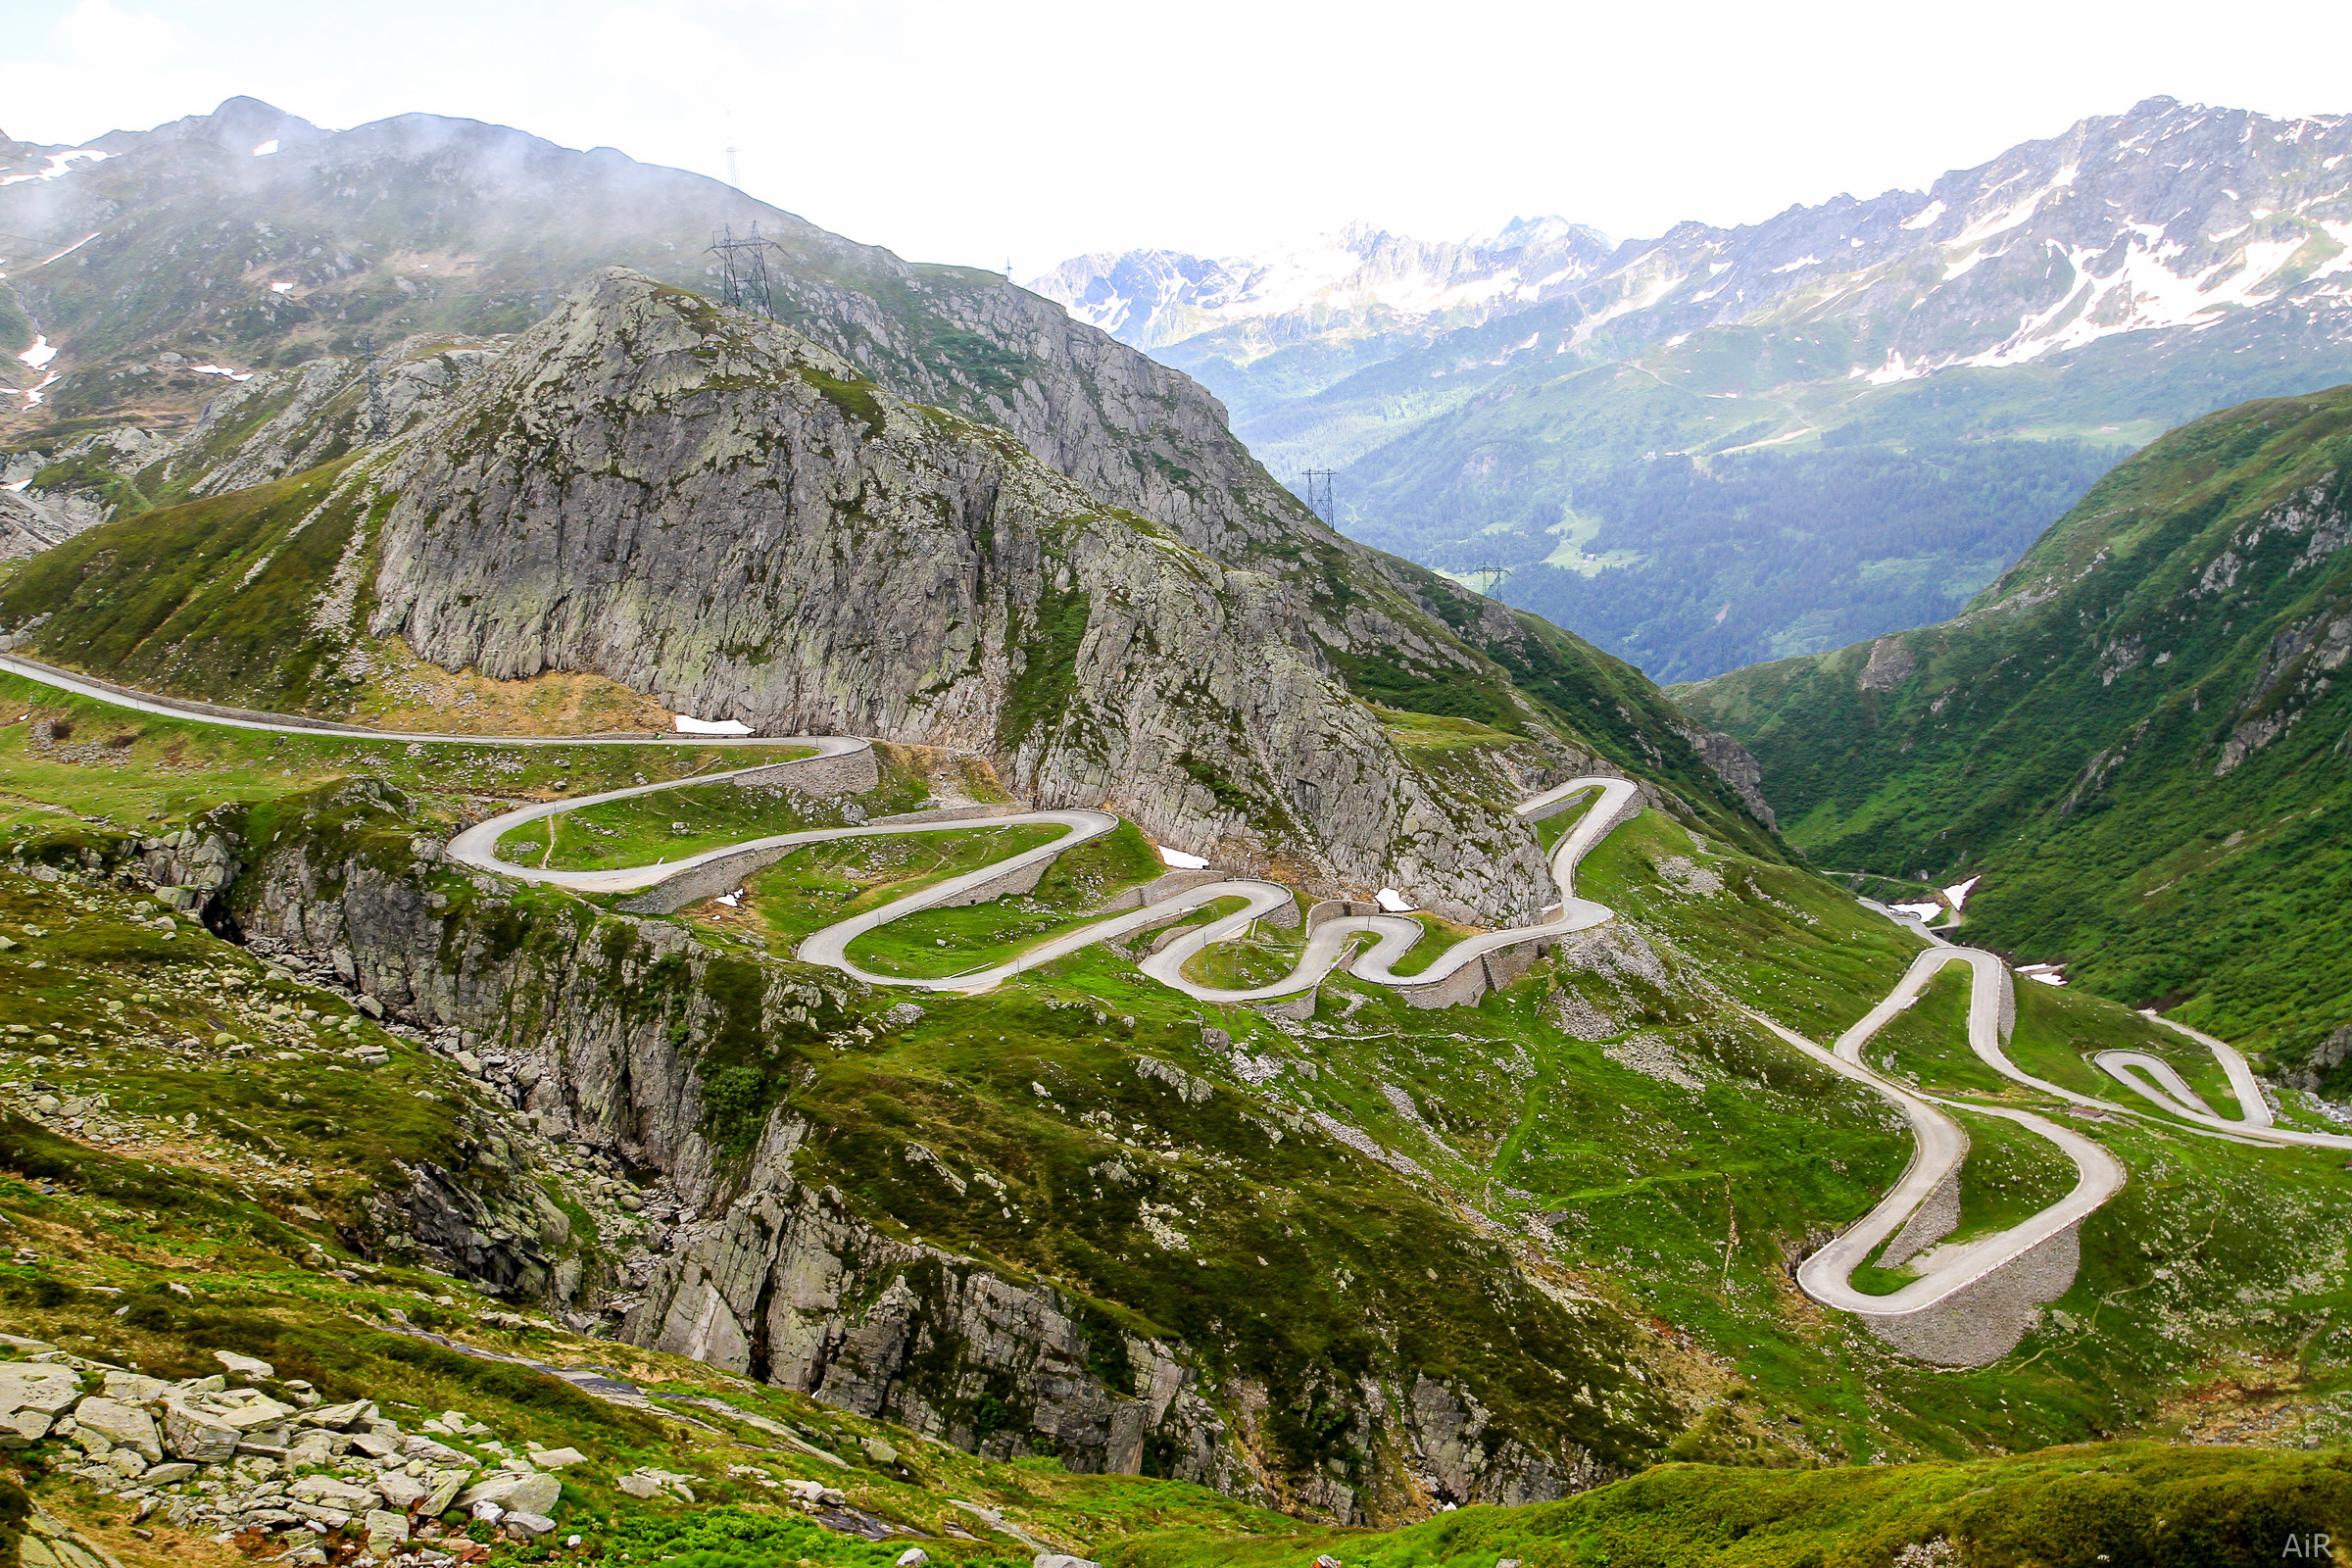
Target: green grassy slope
{"points": [[2060, 1509], [2136, 736], [212, 597], [1587, 1196]]}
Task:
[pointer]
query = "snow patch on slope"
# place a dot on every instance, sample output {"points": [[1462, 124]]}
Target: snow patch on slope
{"points": [[59, 163]]}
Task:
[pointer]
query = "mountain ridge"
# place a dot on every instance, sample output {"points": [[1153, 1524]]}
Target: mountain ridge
{"points": [[2065, 301]]}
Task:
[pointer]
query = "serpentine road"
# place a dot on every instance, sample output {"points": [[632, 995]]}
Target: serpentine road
{"points": [[1327, 944], [1941, 1147], [1369, 947]]}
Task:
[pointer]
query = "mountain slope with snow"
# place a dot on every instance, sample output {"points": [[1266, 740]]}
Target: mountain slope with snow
{"points": [[2092, 289], [1264, 327]]}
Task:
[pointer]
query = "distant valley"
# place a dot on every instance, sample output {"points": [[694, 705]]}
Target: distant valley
{"points": [[1724, 446]]}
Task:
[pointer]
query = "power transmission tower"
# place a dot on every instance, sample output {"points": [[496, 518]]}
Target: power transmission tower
{"points": [[1494, 574], [376, 389], [743, 270], [734, 175], [1319, 495]]}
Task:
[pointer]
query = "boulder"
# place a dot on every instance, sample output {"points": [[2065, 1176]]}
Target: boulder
{"points": [[399, 1490], [525, 1525], [134, 1388], [447, 1484], [913, 1557], [330, 1491], [197, 1435], [257, 1416], [557, 1458], [21, 1429], [338, 1417], [515, 1492], [878, 1452], [42, 1385], [388, 1532], [419, 1446], [312, 1448], [251, 1368], [639, 1485], [125, 1425], [1060, 1559]]}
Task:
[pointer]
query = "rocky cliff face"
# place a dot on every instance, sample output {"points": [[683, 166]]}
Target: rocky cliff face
{"points": [[598, 1042], [728, 516]]}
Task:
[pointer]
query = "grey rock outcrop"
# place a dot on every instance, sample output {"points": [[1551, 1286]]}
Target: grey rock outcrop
{"points": [[274, 423], [790, 1288], [712, 509], [28, 526], [2310, 1074]]}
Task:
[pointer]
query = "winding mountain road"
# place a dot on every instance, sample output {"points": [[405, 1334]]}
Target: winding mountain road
{"points": [[1939, 1149], [1339, 941]]}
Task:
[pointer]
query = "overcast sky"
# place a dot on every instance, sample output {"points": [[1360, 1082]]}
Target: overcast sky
{"points": [[979, 134]]}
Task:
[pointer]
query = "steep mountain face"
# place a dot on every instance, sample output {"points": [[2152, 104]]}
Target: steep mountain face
{"points": [[717, 511], [2135, 738], [1994, 339]]}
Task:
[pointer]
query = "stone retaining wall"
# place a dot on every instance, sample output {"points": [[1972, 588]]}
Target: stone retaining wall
{"points": [[1979, 1323], [1323, 911], [1162, 887], [1490, 971], [707, 880], [948, 813], [1931, 1222], [1013, 880], [850, 773]]}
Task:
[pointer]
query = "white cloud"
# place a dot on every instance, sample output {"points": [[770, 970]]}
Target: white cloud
{"points": [[959, 132]]}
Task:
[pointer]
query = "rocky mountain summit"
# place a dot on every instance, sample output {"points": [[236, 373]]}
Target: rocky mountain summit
{"points": [[175, 263]]}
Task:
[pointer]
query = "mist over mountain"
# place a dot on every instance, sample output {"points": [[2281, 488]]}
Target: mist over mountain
{"points": [[1863, 368]]}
